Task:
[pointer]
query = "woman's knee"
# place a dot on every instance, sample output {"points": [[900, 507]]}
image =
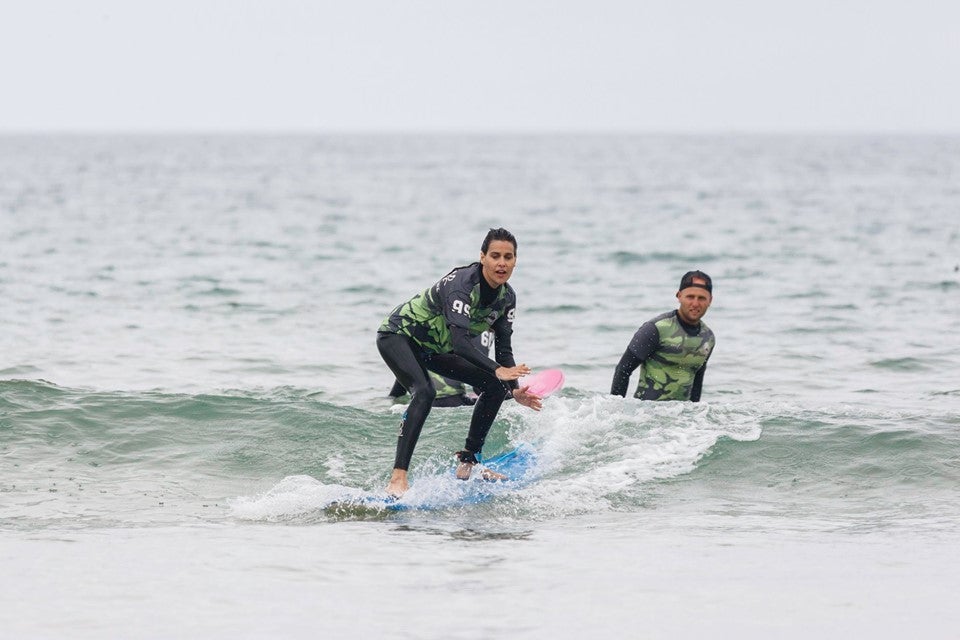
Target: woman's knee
{"points": [[423, 392]]}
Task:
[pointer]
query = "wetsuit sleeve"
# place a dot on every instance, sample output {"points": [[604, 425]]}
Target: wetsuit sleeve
{"points": [[502, 345], [698, 381], [644, 343], [621, 375], [465, 347], [697, 384]]}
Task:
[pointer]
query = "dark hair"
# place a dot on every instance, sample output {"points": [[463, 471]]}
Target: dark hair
{"points": [[498, 234]]}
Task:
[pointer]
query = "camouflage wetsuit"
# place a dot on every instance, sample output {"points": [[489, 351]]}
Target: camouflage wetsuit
{"points": [[674, 356], [432, 332]]}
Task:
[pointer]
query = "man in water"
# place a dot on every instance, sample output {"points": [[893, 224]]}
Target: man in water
{"points": [[672, 349]]}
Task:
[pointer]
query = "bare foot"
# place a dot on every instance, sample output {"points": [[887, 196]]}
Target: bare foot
{"points": [[398, 483], [467, 460], [464, 469], [491, 476]]}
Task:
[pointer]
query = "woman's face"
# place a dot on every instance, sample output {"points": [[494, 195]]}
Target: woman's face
{"points": [[498, 262]]}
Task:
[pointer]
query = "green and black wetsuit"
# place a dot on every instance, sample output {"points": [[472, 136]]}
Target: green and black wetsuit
{"points": [[673, 355], [433, 331], [450, 392]]}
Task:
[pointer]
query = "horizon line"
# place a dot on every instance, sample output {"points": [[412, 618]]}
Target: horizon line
{"points": [[470, 132]]}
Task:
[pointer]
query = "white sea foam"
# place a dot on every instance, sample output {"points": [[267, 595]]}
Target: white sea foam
{"points": [[603, 445], [292, 496]]}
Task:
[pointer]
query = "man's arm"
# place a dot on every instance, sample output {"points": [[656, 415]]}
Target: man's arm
{"points": [[697, 384], [644, 343], [621, 375]]}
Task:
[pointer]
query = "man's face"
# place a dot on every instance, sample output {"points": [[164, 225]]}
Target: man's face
{"points": [[694, 302]]}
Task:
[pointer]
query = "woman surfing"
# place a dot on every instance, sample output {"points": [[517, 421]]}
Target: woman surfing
{"points": [[432, 332]]}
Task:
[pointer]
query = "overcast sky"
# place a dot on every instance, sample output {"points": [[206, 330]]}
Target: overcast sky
{"points": [[491, 65]]}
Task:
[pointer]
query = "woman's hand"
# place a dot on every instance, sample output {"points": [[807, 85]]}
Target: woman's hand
{"points": [[512, 373], [527, 399]]}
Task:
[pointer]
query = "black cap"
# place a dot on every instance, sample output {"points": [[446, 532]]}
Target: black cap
{"points": [[688, 281]]}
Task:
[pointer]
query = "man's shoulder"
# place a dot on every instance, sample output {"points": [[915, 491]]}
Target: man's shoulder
{"points": [[666, 315], [654, 325]]}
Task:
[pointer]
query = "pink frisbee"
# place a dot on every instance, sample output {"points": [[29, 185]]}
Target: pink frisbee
{"points": [[543, 383]]}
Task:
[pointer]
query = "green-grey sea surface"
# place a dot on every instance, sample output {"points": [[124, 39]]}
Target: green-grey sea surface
{"points": [[188, 379]]}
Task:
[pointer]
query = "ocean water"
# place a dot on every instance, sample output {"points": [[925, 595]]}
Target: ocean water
{"points": [[188, 374]]}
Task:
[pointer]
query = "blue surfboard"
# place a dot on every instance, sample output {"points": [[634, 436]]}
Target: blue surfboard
{"points": [[444, 491]]}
